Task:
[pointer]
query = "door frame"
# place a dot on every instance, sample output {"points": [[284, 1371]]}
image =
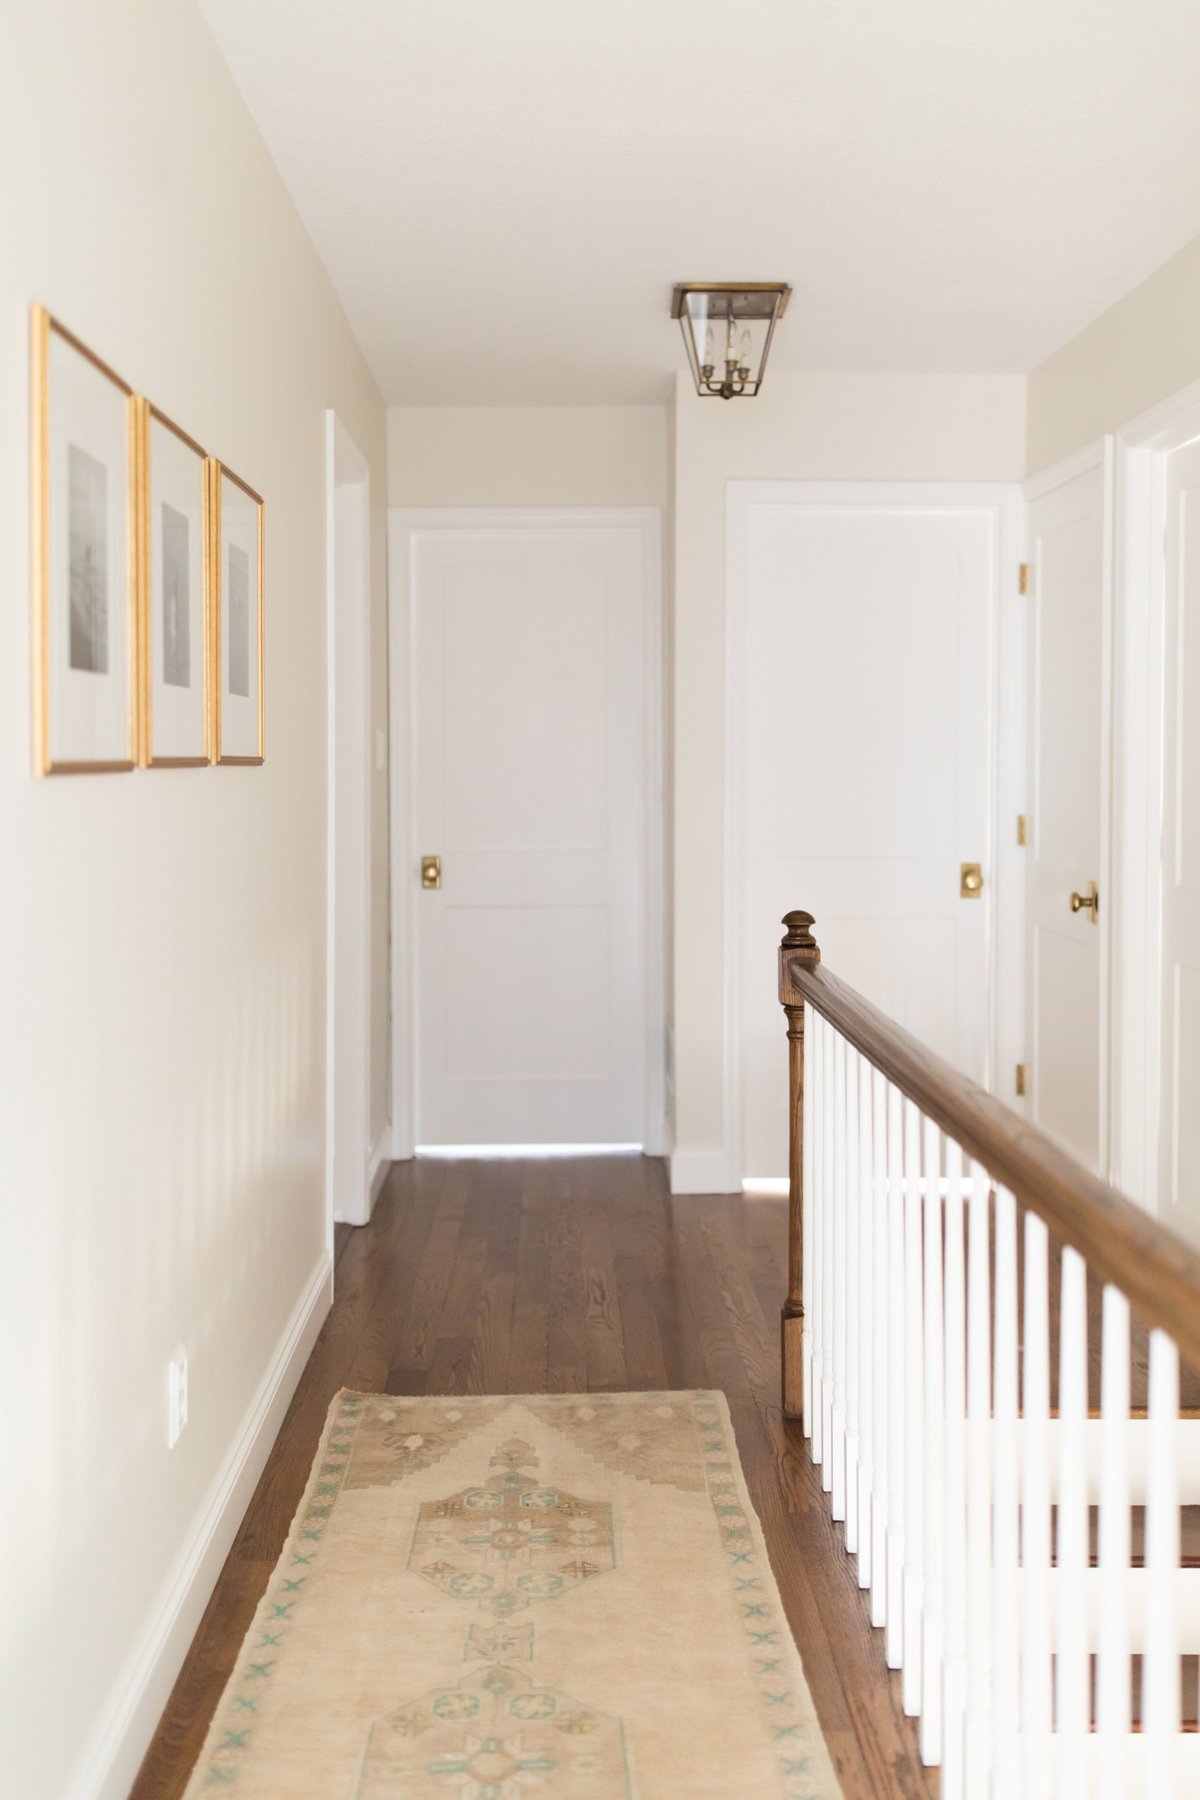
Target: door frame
{"points": [[1142, 447], [1003, 502], [353, 1174], [1098, 455], [403, 525]]}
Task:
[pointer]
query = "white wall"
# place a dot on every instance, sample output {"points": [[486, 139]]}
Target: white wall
{"points": [[1141, 351], [527, 456], [802, 427], [162, 942]]}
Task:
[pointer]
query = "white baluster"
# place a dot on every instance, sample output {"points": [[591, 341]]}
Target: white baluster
{"points": [[896, 1453], [1113, 1667], [814, 1085], [838, 1422], [828, 1228], [809, 1215], [914, 1415], [1006, 1716], [1037, 1770], [933, 1614], [880, 1326], [954, 1683], [979, 1488], [1073, 1684], [854, 1309], [866, 1323], [1160, 1661]]}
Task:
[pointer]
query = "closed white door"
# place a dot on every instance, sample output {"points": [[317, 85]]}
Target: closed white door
{"points": [[1065, 1032], [865, 705], [529, 693], [1179, 1143]]}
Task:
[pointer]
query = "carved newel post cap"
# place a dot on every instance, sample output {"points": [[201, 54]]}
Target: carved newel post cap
{"points": [[799, 931]]}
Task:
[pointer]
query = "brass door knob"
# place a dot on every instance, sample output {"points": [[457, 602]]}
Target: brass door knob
{"points": [[970, 884], [1088, 903], [431, 871]]}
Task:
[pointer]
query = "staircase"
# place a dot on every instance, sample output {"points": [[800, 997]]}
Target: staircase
{"points": [[992, 1355]]}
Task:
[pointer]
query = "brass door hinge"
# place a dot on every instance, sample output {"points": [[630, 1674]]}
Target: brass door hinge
{"points": [[1022, 578], [1021, 1079], [1022, 830]]}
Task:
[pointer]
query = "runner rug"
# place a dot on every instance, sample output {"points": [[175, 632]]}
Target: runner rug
{"points": [[521, 1599]]}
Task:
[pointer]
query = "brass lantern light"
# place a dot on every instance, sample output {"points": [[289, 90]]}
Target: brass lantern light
{"points": [[728, 327]]}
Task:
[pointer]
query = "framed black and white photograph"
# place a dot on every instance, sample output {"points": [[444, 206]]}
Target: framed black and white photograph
{"points": [[84, 557], [236, 600], [173, 489]]}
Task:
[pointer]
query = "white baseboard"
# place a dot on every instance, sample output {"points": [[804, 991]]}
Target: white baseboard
{"points": [[381, 1162], [702, 1172], [132, 1711]]}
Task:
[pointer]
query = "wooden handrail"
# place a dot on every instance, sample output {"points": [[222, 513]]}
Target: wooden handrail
{"points": [[1157, 1270]]}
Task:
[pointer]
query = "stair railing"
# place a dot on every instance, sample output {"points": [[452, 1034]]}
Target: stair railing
{"points": [[959, 1289]]}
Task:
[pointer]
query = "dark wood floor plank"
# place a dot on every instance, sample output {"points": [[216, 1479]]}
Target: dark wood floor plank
{"points": [[567, 1331], [534, 1276]]}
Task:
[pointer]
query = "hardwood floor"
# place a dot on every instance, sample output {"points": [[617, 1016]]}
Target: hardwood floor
{"points": [[564, 1275]]}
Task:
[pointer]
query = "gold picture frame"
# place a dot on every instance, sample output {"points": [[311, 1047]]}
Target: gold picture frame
{"points": [[176, 660], [237, 623], [85, 712]]}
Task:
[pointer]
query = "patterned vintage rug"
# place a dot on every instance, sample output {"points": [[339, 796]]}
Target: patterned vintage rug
{"points": [[527, 1598]]}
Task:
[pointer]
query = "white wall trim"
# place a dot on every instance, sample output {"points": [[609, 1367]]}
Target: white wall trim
{"points": [[135, 1704], [348, 1195], [402, 750], [1167, 425], [403, 524], [1004, 502], [381, 1162], [702, 1172], [1078, 463], [1137, 728]]}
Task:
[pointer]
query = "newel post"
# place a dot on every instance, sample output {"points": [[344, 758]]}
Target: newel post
{"points": [[799, 947]]}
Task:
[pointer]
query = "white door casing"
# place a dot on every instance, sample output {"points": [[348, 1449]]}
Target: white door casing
{"points": [[1068, 805], [1179, 1087], [349, 1186], [863, 657], [1144, 448], [535, 775]]}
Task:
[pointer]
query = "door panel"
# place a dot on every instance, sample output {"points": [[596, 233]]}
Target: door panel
{"points": [[530, 1002], [1179, 1162], [1065, 1027], [866, 705]]}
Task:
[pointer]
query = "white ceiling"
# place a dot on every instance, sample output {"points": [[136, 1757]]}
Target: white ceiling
{"points": [[504, 191]]}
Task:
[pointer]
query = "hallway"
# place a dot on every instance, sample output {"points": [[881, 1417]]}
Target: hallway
{"points": [[580, 1274]]}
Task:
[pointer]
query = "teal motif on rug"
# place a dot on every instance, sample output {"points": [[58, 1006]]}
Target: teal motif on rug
{"points": [[494, 1735], [512, 1540]]}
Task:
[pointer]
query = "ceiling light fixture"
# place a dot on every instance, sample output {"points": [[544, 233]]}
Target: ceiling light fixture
{"points": [[728, 327]]}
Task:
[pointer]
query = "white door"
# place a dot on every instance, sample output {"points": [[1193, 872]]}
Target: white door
{"points": [[1065, 1031], [865, 703], [1179, 1141], [530, 699]]}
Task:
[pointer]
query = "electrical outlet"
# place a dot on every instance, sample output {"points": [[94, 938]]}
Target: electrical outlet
{"points": [[177, 1395]]}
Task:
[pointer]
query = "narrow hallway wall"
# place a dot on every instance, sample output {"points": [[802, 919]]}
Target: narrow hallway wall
{"points": [[163, 932], [1141, 351]]}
